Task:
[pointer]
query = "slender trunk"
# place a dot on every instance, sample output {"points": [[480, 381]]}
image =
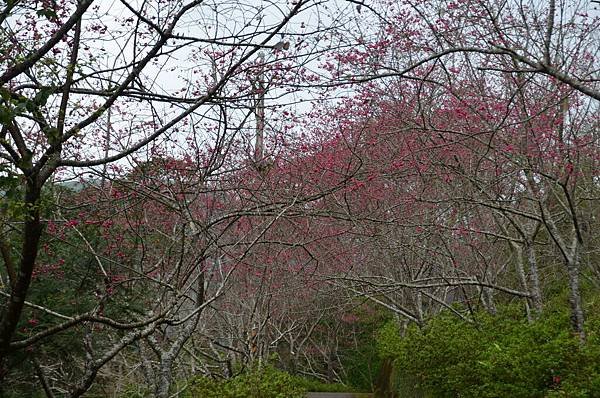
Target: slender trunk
{"points": [[419, 307], [522, 278], [165, 370], [488, 295], [145, 364], [32, 232], [488, 301], [535, 279], [164, 378], [575, 302], [7, 258], [260, 115]]}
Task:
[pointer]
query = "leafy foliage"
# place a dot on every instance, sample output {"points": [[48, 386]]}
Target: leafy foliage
{"points": [[499, 356], [262, 382]]}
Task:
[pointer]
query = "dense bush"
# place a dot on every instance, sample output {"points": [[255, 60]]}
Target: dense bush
{"points": [[263, 382], [500, 355], [308, 384], [260, 382]]}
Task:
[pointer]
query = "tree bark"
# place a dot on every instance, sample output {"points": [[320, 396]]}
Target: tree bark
{"points": [[522, 277], [32, 232], [535, 279], [575, 302]]}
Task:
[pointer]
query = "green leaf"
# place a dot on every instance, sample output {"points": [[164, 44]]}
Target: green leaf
{"points": [[42, 96], [5, 94], [6, 115], [30, 105], [48, 13], [52, 134]]}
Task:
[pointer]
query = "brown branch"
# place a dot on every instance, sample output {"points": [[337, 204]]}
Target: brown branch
{"points": [[199, 102], [8, 262], [90, 374], [40, 374], [19, 68], [86, 318]]}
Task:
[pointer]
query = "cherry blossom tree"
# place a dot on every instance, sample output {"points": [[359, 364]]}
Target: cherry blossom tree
{"points": [[483, 114], [92, 94]]}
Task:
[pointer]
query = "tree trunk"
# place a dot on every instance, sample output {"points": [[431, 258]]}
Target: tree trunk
{"points": [[535, 279], [164, 378], [32, 232], [522, 277], [577, 317]]}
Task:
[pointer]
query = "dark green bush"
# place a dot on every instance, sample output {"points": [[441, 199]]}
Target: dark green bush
{"points": [[316, 385], [501, 355], [263, 382]]}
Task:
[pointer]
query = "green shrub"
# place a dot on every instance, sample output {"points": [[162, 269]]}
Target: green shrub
{"points": [[582, 378], [501, 355], [263, 382], [316, 385]]}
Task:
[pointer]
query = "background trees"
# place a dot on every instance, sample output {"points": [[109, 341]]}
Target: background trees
{"points": [[477, 113]]}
